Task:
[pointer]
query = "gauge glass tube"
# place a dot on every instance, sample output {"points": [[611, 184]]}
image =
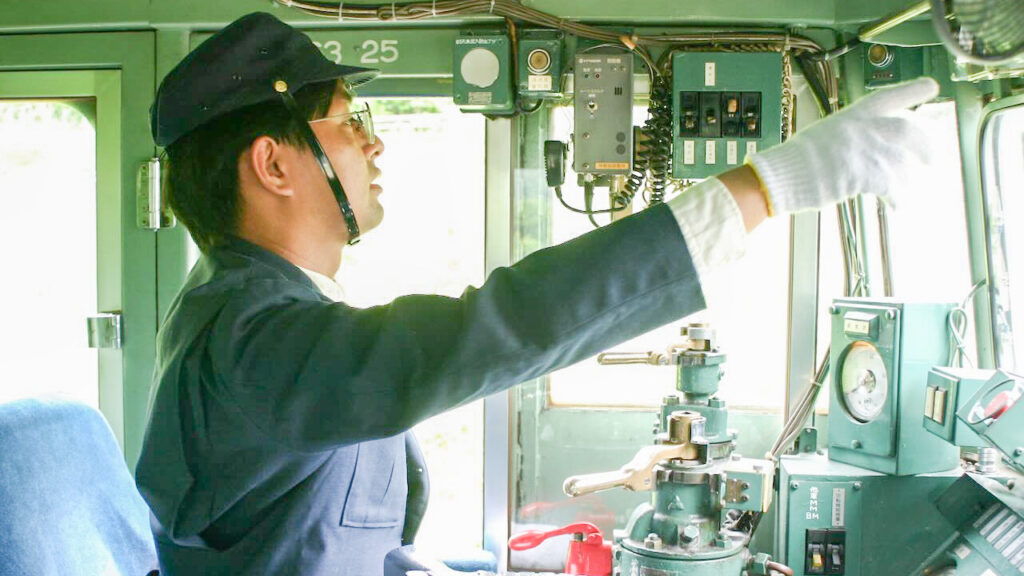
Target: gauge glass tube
{"points": [[864, 381]]}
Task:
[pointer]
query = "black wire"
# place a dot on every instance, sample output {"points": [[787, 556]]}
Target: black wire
{"points": [[558, 194], [814, 81]]}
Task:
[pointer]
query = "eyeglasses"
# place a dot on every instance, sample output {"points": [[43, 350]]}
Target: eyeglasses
{"points": [[359, 120]]}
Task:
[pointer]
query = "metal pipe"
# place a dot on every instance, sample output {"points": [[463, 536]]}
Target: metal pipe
{"points": [[778, 567], [884, 248], [872, 30]]}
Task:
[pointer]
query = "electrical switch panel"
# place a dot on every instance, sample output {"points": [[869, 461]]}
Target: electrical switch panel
{"points": [[826, 551], [726, 106], [603, 137]]}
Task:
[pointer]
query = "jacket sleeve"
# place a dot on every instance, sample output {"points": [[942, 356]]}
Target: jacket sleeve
{"points": [[315, 375]]}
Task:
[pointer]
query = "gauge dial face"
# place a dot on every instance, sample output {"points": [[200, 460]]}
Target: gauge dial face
{"points": [[864, 382]]}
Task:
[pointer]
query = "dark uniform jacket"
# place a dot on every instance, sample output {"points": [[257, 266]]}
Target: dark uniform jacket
{"points": [[278, 438]]}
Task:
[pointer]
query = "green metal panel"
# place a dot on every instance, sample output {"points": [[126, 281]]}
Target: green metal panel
{"points": [[873, 508], [482, 72], [132, 55], [710, 88], [910, 339]]}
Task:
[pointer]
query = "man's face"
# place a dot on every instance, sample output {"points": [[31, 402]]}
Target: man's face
{"points": [[352, 157]]}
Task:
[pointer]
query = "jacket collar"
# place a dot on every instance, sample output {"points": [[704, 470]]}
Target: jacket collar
{"points": [[263, 256]]}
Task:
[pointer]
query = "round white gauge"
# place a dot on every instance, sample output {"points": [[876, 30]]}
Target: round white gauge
{"points": [[863, 381]]}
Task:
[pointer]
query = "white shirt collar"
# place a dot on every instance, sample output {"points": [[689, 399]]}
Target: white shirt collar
{"points": [[328, 286]]}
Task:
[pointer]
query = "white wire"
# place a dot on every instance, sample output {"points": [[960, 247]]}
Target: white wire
{"points": [[341, 11], [433, 8]]}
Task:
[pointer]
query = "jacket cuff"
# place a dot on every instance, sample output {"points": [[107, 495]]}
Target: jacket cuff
{"points": [[712, 225]]}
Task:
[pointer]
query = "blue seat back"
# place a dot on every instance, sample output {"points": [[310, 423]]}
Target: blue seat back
{"points": [[68, 505]]}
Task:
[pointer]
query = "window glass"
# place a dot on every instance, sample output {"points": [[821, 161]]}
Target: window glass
{"points": [[48, 230], [431, 241], [1003, 177], [928, 236], [746, 305]]}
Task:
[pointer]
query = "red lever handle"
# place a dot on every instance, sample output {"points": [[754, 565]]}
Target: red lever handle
{"points": [[533, 538]]}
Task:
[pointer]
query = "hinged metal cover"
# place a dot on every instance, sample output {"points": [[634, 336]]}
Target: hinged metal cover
{"points": [[151, 212], [105, 330]]}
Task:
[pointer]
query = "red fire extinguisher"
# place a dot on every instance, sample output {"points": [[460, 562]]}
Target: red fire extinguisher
{"points": [[589, 553]]}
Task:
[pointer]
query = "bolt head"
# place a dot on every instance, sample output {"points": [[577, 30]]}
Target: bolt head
{"points": [[857, 485], [653, 542], [794, 485], [690, 533], [833, 309], [744, 498], [856, 444], [1018, 452]]}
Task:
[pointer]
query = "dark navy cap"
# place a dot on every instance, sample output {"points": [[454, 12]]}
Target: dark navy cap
{"points": [[237, 67]]}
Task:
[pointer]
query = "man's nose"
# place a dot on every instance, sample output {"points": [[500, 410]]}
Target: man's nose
{"points": [[375, 149]]}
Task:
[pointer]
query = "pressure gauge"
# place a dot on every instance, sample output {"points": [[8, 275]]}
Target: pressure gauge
{"points": [[864, 381]]}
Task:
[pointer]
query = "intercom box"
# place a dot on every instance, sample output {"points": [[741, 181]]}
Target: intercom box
{"points": [[603, 113], [539, 64]]}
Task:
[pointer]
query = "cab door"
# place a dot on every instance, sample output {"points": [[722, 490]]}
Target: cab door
{"points": [[73, 134]]}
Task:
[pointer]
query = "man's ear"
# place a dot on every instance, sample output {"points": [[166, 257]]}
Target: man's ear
{"points": [[272, 163]]}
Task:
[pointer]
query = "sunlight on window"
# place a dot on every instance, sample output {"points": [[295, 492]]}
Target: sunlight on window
{"points": [[431, 242], [746, 306], [48, 226]]}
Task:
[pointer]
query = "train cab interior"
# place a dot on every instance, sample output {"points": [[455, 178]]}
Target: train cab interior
{"points": [[848, 403]]}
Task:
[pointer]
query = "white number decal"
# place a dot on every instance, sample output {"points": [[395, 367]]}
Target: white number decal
{"points": [[388, 50], [333, 49], [376, 52]]}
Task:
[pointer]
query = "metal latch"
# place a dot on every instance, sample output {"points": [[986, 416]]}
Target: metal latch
{"points": [[105, 330], [152, 214]]}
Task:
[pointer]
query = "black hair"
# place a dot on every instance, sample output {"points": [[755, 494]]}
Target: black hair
{"points": [[201, 174]]}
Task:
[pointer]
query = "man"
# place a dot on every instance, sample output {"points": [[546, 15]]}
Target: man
{"points": [[278, 441]]}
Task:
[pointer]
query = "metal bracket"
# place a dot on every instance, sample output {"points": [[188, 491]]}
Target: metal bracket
{"points": [[151, 214], [105, 330]]}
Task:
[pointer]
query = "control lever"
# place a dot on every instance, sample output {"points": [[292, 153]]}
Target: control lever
{"points": [[589, 553], [637, 475]]}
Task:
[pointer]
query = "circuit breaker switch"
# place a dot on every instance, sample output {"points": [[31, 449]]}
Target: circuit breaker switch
{"points": [[835, 553], [817, 560], [732, 106]]}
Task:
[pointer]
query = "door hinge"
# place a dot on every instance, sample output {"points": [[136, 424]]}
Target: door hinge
{"points": [[152, 212], [105, 330]]}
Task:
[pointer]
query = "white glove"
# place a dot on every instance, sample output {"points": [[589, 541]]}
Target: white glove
{"points": [[871, 146]]}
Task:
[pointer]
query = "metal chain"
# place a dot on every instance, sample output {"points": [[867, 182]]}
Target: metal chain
{"points": [[787, 94]]}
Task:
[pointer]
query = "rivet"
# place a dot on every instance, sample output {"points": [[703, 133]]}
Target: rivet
{"points": [[280, 86], [794, 485]]}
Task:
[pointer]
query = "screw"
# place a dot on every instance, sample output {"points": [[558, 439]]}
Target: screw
{"points": [[833, 309], [670, 400], [857, 485], [744, 498], [1018, 452], [745, 485], [794, 485], [856, 444], [890, 314], [689, 534]]}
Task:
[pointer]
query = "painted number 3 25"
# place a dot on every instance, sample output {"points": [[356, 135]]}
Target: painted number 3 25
{"points": [[373, 51]]}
